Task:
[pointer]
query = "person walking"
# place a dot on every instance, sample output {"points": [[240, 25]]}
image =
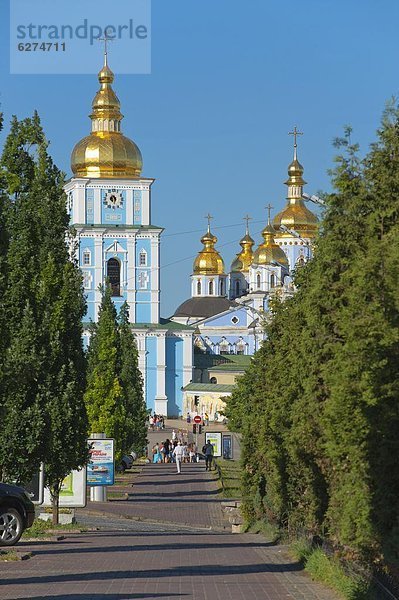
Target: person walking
{"points": [[178, 454], [208, 451]]}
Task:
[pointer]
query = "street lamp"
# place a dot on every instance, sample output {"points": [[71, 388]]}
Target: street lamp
{"points": [[315, 199]]}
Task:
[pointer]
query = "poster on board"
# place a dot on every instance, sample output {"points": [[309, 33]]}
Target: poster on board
{"points": [[73, 491], [100, 468], [216, 440]]}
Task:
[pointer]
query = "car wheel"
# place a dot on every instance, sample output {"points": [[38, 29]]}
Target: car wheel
{"points": [[11, 526]]}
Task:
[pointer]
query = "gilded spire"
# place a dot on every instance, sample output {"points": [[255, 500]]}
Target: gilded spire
{"points": [[208, 261], [244, 258], [296, 215], [106, 152]]}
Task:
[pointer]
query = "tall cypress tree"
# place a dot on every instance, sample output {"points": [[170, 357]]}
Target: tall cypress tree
{"points": [[45, 417], [104, 396], [135, 435]]}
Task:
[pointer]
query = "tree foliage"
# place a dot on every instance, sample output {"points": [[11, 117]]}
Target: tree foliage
{"points": [[318, 408], [43, 374], [114, 394]]}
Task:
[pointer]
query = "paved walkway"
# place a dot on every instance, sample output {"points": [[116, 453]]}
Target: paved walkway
{"points": [[160, 494], [129, 559]]}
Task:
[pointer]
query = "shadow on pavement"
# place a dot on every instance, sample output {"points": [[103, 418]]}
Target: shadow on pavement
{"points": [[181, 571], [102, 596], [151, 547]]}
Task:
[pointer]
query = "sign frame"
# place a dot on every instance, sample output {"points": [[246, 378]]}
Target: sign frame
{"points": [[101, 465], [75, 492], [215, 437]]}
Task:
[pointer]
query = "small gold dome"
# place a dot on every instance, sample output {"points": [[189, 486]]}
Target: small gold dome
{"points": [[208, 261], [296, 215], [106, 152], [269, 252], [244, 258]]}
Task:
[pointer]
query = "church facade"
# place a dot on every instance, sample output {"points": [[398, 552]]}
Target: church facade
{"points": [[109, 203]]}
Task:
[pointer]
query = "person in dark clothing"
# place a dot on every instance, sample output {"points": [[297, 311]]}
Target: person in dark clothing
{"points": [[208, 451]]}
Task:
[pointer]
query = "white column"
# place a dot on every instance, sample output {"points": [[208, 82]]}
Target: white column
{"points": [[98, 271], [79, 202], [131, 278], [129, 207], [145, 207], [155, 291], [161, 400], [97, 206]]}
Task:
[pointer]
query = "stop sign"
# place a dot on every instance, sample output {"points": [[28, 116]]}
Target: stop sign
{"points": [[197, 419]]}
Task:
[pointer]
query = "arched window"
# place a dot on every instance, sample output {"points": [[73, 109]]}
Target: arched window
{"points": [[198, 288], [258, 281], [211, 287], [272, 280], [237, 288], [114, 276]]}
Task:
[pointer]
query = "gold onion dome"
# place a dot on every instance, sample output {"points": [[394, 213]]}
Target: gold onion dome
{"points": [[208, 261], [244, 258], [106, 152], [269, 252], [296, 215]]}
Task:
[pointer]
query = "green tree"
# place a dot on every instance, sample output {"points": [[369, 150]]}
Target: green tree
{"points": [[135, 434], [45, 417], [104, 395]]}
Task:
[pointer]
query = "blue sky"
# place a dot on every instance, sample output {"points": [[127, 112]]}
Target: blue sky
{"points": [[229, 80]]}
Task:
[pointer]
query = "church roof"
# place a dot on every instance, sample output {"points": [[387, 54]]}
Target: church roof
{"points": [[209, 387], [203, 307]]}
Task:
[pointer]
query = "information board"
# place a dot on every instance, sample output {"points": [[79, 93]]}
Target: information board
{"points": [[73, 491], [216, 440], [101, 467]]}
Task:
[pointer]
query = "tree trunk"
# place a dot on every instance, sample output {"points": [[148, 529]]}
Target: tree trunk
{"points": [[55, 495]]}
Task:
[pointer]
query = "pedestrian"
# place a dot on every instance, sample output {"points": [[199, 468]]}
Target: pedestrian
{"points": [[178, 454], [206, 419], [191, 452], [208, 451], [167, 450], [173, 435], [151, 423]]}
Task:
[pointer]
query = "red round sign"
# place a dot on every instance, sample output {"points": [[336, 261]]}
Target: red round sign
{"points": [[197, 419]]}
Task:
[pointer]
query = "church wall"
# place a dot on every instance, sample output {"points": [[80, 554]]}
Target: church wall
{"points": [[174, 374], [151, 371]]}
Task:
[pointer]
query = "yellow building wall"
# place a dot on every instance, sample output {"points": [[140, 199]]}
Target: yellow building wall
{"points": [[208, 403]]}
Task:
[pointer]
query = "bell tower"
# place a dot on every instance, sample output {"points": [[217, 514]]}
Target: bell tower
{"points": [[109, 203]]}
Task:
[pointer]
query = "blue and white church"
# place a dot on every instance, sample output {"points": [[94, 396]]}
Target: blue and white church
{"points": [[109, 203]]}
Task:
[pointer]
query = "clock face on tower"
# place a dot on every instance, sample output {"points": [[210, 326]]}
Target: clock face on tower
{"points": [[113, 199]]}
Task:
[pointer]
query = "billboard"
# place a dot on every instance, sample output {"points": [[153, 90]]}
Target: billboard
{"points": [[73, 491], [216, 440], [101, 466]]}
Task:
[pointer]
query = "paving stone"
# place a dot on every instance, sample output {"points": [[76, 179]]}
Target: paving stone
{"points": [[130, 559]]}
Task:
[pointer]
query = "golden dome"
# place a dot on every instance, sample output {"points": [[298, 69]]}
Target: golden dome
{"points": [[208, 261], [106, 152], [244, 258], [296, 214], [269, 252]]}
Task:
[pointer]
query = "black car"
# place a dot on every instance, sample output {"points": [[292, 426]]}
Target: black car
{"points": [[17, 513]]}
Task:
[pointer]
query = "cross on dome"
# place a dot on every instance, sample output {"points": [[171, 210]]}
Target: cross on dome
{"points": [[209, 217], [269, 208], [105, 39], [295, 133], [247, 219]]}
